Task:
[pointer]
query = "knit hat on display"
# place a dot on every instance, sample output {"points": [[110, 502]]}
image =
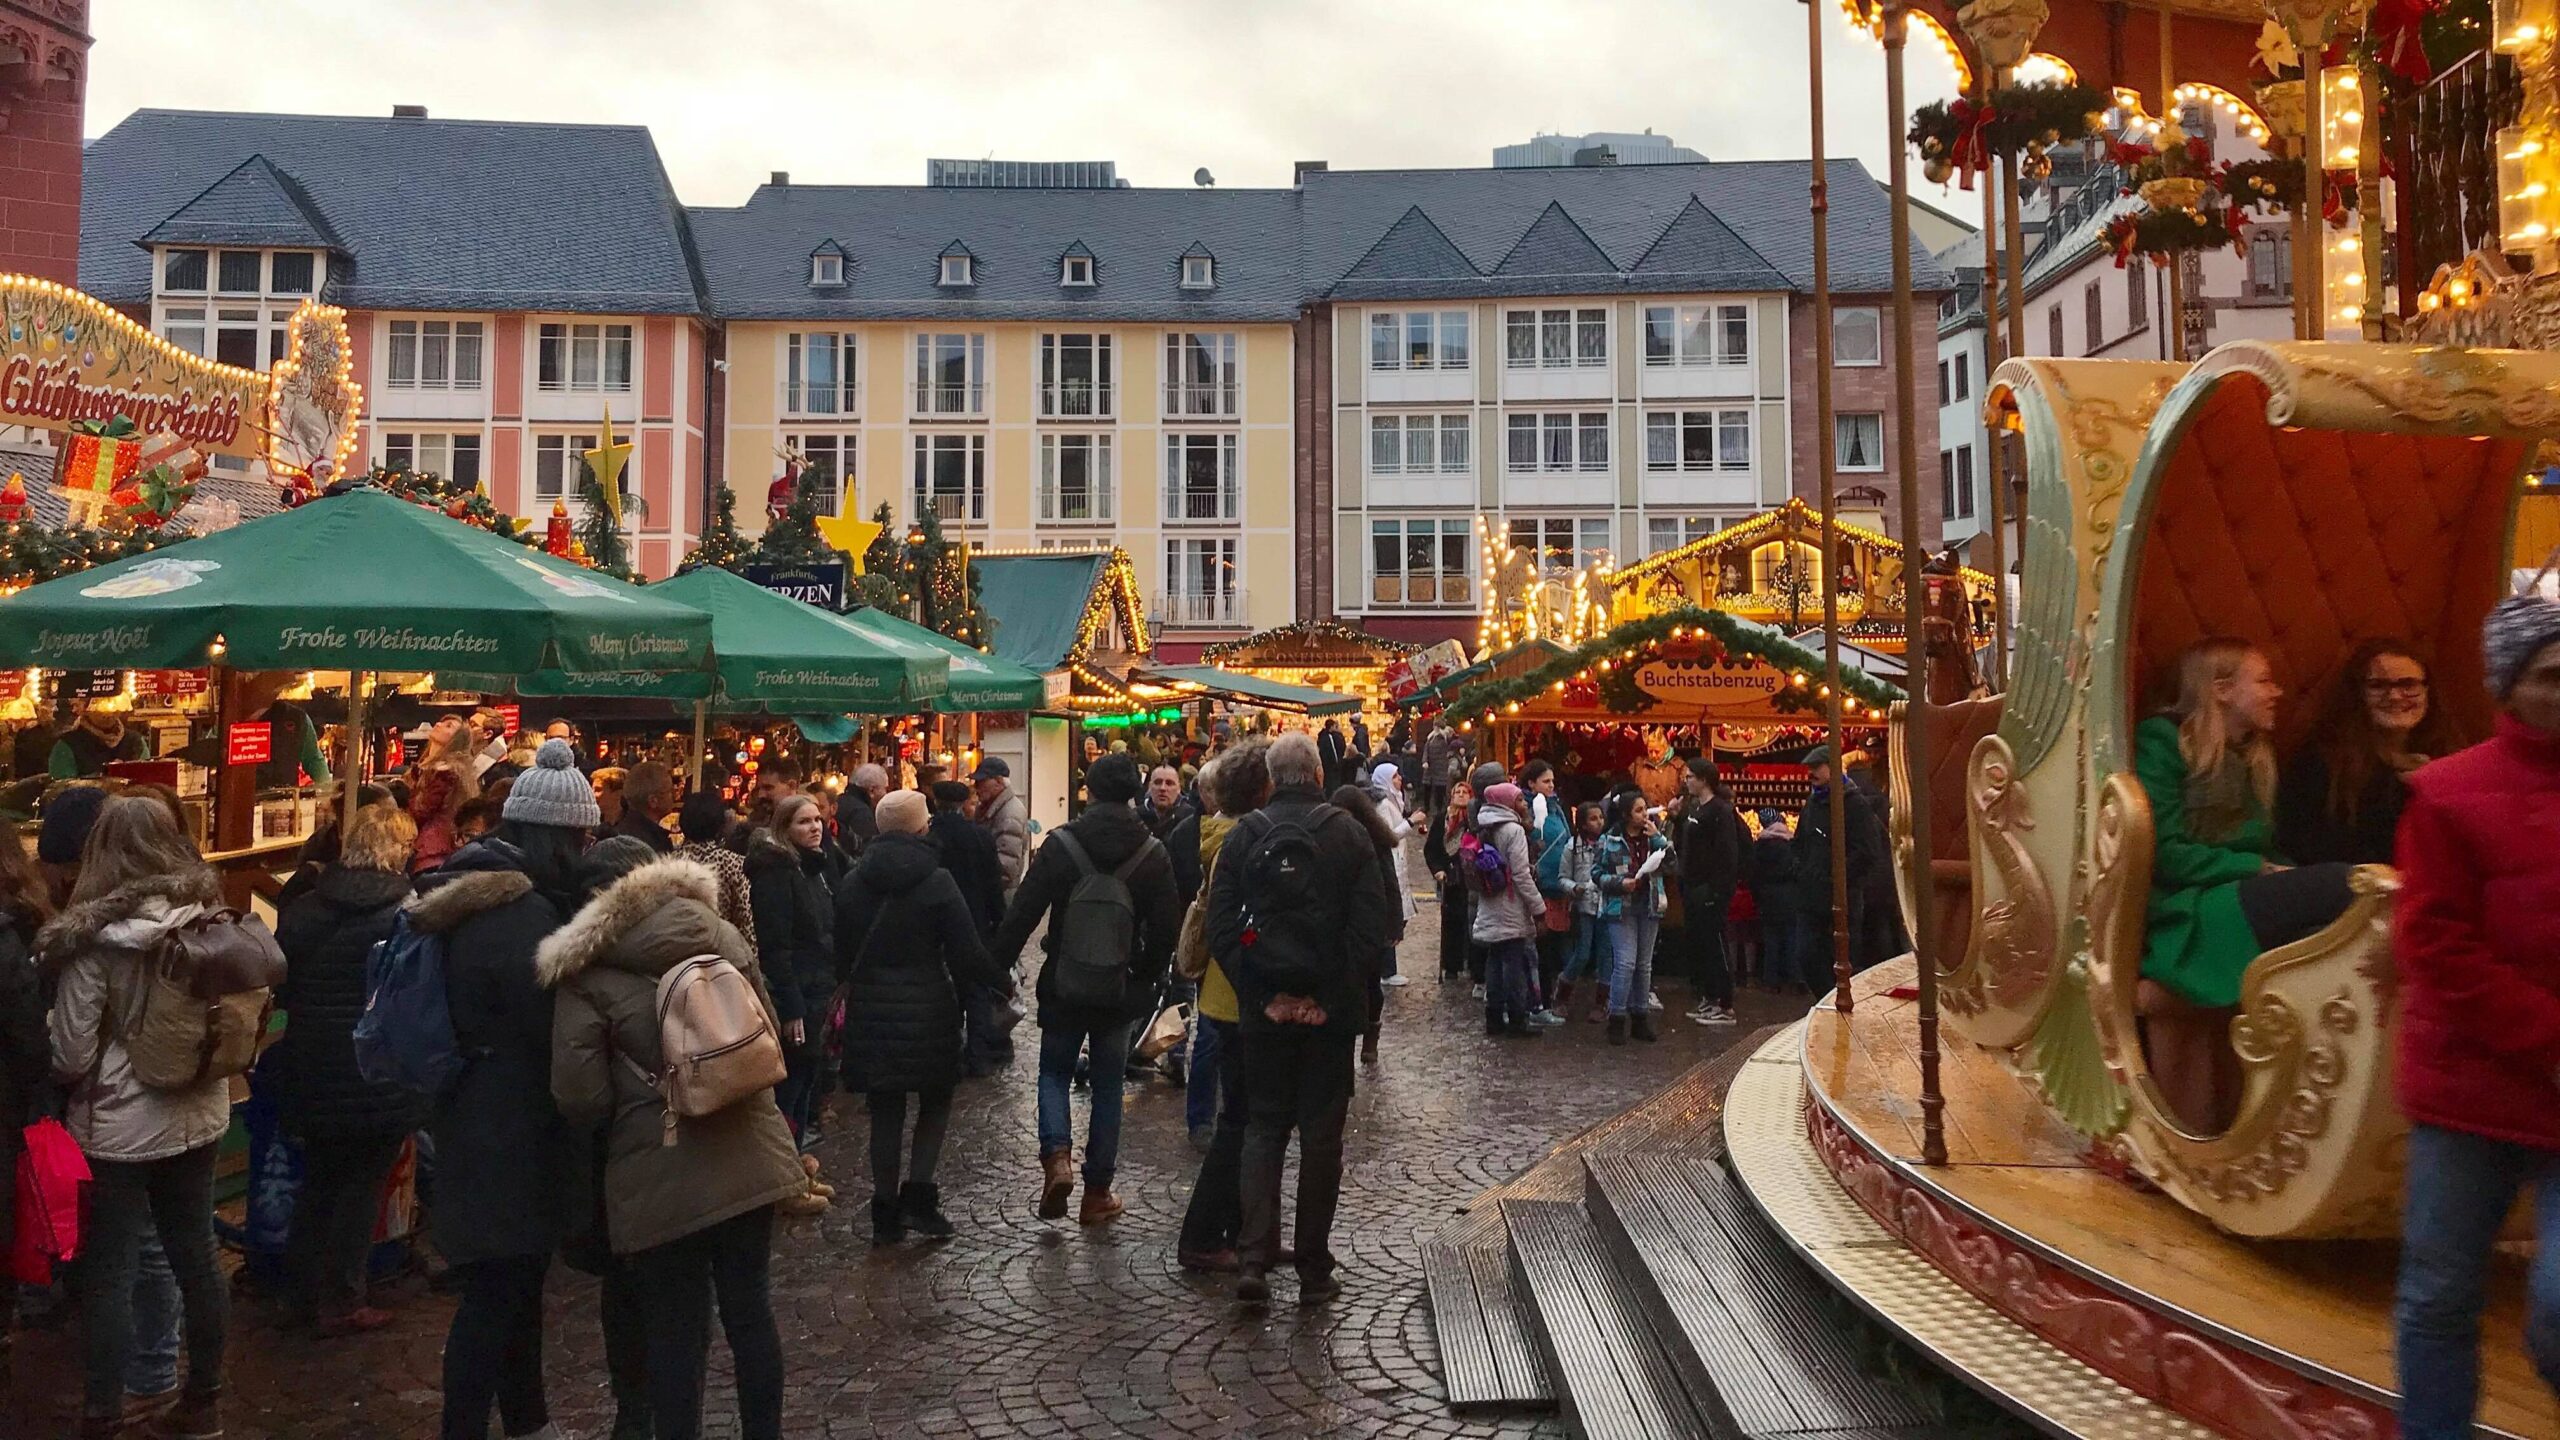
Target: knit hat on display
{"points": [[2513, 634], [553, 792], [901, 812]]}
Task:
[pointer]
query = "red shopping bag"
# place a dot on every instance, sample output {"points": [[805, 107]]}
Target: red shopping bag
{"points": [[51, 1170]]}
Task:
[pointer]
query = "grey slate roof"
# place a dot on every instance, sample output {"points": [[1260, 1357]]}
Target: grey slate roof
{"points": [[256, 204], [757, 254], [1701, 252], [1624, 210], [47, 505], [436, 214]]}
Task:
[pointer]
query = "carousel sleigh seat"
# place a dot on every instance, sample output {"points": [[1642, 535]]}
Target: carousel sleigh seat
{"points": [[1953, 732]]}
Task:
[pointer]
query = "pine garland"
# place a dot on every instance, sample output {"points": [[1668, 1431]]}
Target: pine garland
{"points": [[1617, 688], [721, 544]]}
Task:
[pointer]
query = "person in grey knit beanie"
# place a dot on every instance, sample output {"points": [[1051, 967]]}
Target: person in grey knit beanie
{"points": [[2512, 635], [553, 792]]}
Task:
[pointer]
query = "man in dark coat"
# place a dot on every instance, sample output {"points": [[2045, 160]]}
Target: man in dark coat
{"points": [[1813, 856], [969, 853], [1331, 752], [1880, 935], [1297, 1060], [1166, 806], [1111, 836], [648, 793], [1709, 838], [907, 948]]}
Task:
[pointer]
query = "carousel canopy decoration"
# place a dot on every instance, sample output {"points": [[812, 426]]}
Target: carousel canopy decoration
{"points": [[1686, 635], [2107, 46]]}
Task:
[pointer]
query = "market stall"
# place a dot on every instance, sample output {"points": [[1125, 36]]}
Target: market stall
{"points": [[1319, 655], [1076, 619]]}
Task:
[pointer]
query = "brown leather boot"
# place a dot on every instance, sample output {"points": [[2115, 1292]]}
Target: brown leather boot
{"points": [[1100, 1207], [196, 1416], [1057, 1181]]}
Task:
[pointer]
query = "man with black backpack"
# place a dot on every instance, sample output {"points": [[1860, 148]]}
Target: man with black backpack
{"points": [[1106, 888], [1296, 916]]}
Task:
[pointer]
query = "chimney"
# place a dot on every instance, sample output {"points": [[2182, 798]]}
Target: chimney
{"points": [[1298, 174], [408, 112], [780, 177]]}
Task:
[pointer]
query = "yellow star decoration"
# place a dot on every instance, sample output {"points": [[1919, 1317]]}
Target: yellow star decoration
{"points": [[849, 535], [607, 460]]}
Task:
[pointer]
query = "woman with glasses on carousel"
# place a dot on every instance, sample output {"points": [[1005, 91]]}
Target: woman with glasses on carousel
{"points": [[2343, 791]]}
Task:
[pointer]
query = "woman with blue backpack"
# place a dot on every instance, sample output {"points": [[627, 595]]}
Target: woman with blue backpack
{"points": [[1631, 904]]}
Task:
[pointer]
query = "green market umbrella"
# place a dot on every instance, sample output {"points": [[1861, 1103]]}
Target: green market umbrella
{"points": [[772, 653], [359, 581], [978, 681]]}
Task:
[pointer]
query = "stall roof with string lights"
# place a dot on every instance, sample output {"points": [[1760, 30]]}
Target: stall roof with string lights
{"points": [[1073, 616]]}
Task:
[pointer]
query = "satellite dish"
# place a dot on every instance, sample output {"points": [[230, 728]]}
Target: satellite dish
{"points": [[1202, 178]]}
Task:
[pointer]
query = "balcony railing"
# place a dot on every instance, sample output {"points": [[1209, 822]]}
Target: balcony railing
{"points": [[1188, 609], [1197, 502], [1201, 399], [1076, 400], [1421, 589], [936, 398], [815, 398], [949, 509]]}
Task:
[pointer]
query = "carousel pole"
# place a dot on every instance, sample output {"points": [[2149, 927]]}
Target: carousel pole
{"points": [[2168, 116], [702, 737], [1826, 450], [2308, 272], [1915, 713], [2013, 239], [1994, 470], [2369, 198]]}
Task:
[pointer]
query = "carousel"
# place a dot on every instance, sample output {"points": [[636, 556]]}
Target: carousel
{"points": [[2099, 1207]]}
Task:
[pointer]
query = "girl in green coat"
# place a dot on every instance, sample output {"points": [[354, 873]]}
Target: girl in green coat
{"points": [[2219, 896]]}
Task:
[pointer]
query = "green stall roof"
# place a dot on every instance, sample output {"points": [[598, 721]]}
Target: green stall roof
{"points": [[1251, 689], [1038, 604]]}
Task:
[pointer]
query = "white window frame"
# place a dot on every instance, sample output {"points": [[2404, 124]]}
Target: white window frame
{"points": [[1577, 426], [597, 341], [1099, 397], [1420, 443], [1101, 482], [1701, 334], [1577, 534], [1845, 423], [826, 268], [1227, 503], [972, 448], [1558, 337], [844, 447], [1199, 272], [1686, 529], [1219, 604], [1420, 340], [1444, 537], [956, 270], [1846, 320], [572, 448], [928, 394], [801, 396], [443, 447], [411, 343], [1720, 422], [1188, 399], [1076, 270]]}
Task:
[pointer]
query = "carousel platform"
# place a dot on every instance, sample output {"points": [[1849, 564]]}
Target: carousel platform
{"points": [[2073, 1297]]}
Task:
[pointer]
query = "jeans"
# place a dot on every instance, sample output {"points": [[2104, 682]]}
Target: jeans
{"points": [[1510, 969], [127, 1199], [2461, 1187], [1703, 915], [1631, 973], [151, 1367], [1109, 1070], [1295, 1077], [1586, 949], [1216, 1211], [1454, 922], [1550, 961], [493, 1350], [888, 1127], [797, 1095], [678, 1282], [625, 1323], [333, 1218], [2283, 906], [1210, 1047]]}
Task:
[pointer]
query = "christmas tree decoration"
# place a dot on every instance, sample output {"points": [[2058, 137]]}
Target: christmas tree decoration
{"points": [[850, 535], [555, 536], [605, 463], [794, 538], [721, 544], [13, 499]]}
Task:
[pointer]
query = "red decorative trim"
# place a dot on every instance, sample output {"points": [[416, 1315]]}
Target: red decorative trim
{"points": [[2153, 1354]]}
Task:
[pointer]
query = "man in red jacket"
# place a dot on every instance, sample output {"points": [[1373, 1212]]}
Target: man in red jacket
{"points": [[2478, 942]]}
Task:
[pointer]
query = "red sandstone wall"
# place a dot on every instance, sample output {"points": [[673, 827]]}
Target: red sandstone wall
{"points": [[44, 74]]}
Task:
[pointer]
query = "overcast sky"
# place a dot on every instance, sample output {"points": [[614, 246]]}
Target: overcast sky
{"points": [[847, 91]]}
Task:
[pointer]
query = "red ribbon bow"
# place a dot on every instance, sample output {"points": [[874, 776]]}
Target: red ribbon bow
{"points": [[1972, 150]]}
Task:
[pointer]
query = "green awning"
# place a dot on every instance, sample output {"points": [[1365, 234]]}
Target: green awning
{"points": [[978, 681], [1038, 604], [358, 581], [1251, 689]]}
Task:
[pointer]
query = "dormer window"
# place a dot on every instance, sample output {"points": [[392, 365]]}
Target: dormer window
{"points": [[1076, 270], [826, 268], [1199, 272], [956, 270]]}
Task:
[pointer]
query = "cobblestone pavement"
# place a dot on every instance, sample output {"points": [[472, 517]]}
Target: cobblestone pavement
{"points": [[1021, 1327]]}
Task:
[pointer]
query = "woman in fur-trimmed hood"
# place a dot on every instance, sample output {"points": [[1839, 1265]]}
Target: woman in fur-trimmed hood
{"points": [[689, 1209]]}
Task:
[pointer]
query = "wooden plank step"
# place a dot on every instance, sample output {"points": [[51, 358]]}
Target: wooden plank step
{"points": [[1487, 1361], [1613, 1379]]}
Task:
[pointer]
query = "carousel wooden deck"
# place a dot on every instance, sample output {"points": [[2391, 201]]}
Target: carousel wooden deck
{"points": [[2253, 1338]]}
